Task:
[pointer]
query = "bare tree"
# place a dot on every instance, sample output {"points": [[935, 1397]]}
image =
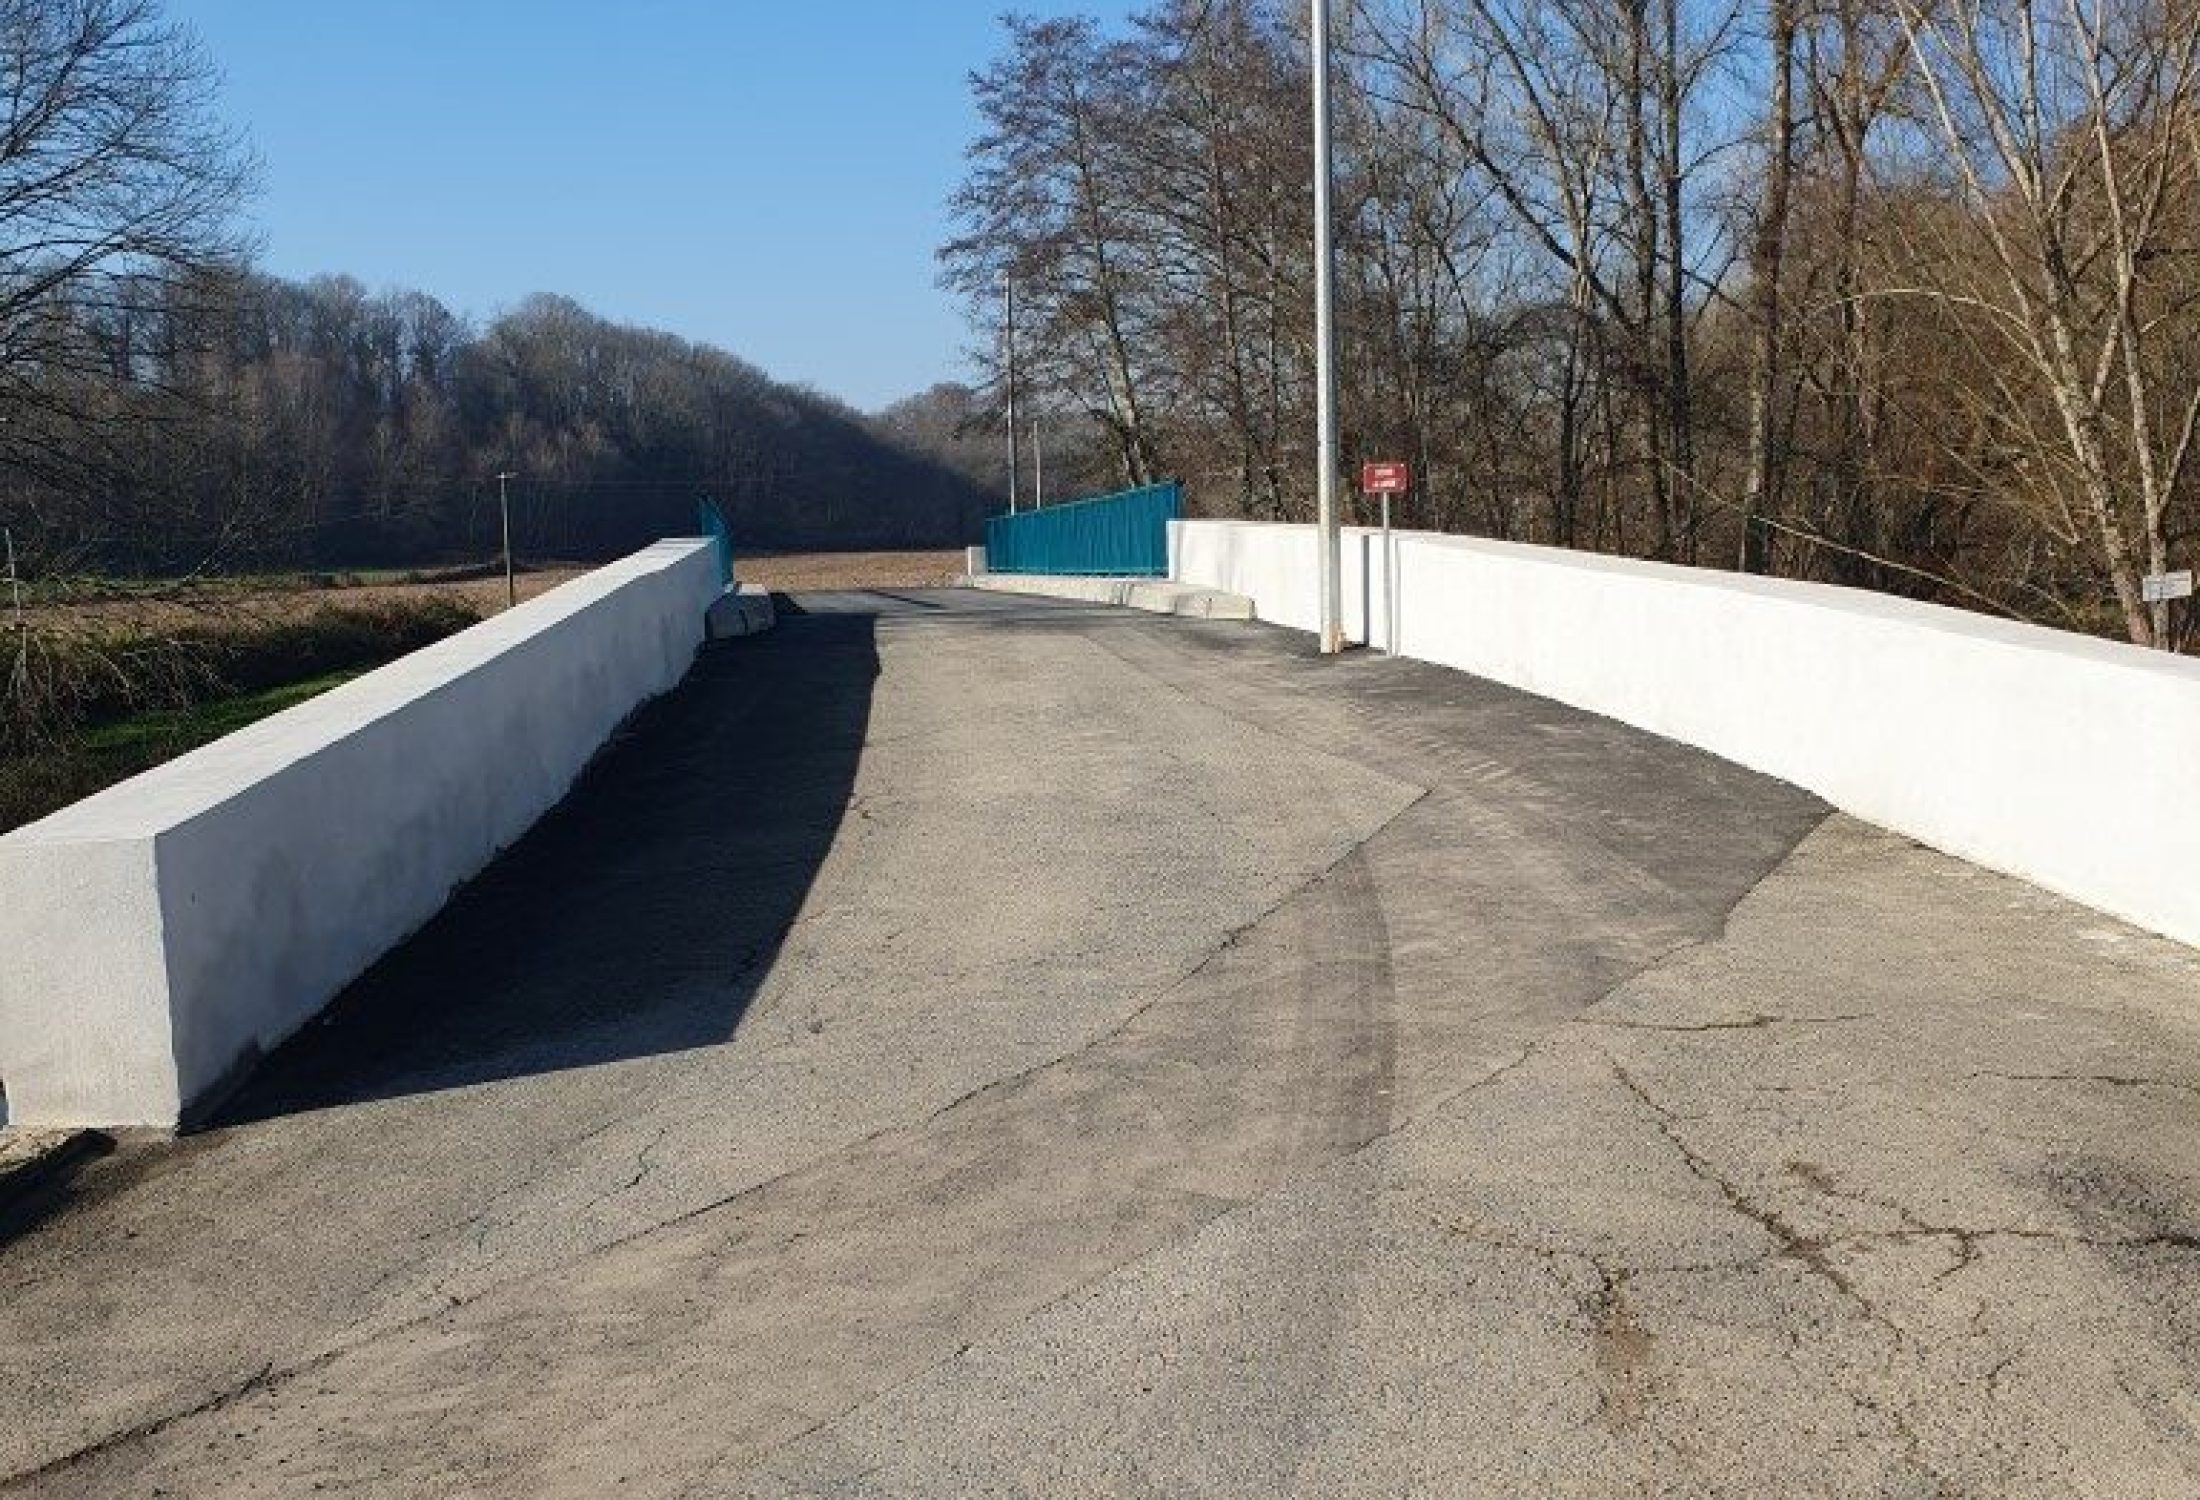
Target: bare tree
{"points": [[1768, 270], [117, 187], [2067, 128], [1856, 62], [1895, 293], [1216, 168], [1047, 203]]}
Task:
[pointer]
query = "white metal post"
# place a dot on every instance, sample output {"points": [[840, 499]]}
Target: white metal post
{"points": [[1038, 466], [1390, 584], [1325, 348]]}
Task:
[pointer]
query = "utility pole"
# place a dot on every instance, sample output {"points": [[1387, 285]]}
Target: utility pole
{"points": [[1038, 467], [1015, 454], [15, 586], [1331, 570], [504, 508], [19, 648]]}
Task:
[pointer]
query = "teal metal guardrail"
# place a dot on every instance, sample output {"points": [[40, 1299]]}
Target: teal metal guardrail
{"points": [[710, 521], [1117, 536]]}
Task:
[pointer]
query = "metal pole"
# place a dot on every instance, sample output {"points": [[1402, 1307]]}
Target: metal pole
{"points": [[504, 509], [1325, 348], [15, 584], [1015, 455], [1038, 467], [1390, 584], [19, 668]]}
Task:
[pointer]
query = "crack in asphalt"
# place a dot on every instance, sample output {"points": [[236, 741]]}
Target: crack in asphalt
{"points": [[1811, 1253], [1609, 1316], [264, 1378], [1754, 1022], [1435, 1108], [643, 1166], [1805, 1250], [271, 1375], [1968, 1238], [1622, 1348], [2109, 1080]]}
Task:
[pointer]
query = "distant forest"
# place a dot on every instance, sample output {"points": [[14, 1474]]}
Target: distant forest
{"points": [[166, 409], [242, 420]]}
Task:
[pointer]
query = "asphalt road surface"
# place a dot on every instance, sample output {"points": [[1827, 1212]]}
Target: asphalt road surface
{"points": [[966, 1046]]}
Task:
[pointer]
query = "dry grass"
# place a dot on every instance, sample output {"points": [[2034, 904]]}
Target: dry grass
{"points": [[86, 651], [794, 571], [82, 708], [107, 680], [122, 611]]}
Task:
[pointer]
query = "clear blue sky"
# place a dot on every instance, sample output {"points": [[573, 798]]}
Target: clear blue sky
{"points": [[767, 175]]}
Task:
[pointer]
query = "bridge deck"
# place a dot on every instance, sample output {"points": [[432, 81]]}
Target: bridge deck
{"points": [[965, 1045]]}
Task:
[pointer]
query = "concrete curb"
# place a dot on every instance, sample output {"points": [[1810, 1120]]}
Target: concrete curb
{"points": [[744, 609], [31, 1158], [1154, 595]]}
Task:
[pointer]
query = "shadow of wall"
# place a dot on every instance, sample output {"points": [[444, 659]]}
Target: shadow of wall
{"points": [[639, 917]]}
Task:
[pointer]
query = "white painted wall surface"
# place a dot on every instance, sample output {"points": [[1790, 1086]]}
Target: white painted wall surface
{"points": [[157, 937], [2064, 760]]}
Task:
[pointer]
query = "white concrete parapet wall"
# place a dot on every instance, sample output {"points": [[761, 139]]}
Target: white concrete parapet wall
{"points": [[158, 937], [2055, 757]]}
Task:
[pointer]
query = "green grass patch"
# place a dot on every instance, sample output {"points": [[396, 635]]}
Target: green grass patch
{"points": [[167, 733], [44, 781], [66, 683], [81, 711]]}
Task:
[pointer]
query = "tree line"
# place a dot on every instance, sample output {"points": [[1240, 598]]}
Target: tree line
{"points": [[1891, 293], [258, 421], [165, 408]]}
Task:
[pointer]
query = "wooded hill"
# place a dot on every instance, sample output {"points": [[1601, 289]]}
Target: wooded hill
{"points": [[165, 408], [231, 420]]}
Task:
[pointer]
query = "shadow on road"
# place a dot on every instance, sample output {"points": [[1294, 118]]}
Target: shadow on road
{"points": [[640, 916]]}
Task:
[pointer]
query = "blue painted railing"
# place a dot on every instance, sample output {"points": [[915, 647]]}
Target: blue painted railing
{"points": [[711, 522], [1118, 536]]}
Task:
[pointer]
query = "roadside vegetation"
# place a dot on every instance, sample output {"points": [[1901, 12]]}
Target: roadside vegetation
{"points": [[1900, 294], [222, 492], [105, 679], [103, 686]]}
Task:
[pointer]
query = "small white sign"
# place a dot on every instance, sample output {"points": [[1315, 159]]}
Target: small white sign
{"points": [[2160, 588]]}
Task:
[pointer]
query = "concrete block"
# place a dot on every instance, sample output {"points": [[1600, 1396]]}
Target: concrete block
{"points": [[157, 938], [1154, 595], [745, 609]]}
